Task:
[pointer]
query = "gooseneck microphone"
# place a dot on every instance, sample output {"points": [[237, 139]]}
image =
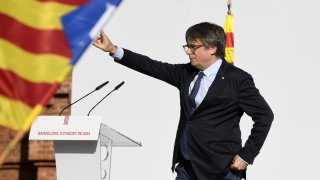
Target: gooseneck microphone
{"points": [[116, 88], [96, 89]]}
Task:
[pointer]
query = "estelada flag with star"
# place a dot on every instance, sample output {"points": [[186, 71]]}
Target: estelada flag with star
{"points": [[40, 42]]}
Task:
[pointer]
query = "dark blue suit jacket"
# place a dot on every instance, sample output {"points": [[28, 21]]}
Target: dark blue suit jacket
{"points": [[214, 136]]}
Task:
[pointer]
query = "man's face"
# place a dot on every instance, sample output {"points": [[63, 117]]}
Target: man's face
{"points": [[200, 56]]}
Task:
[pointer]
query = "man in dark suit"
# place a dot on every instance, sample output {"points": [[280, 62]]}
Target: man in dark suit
{"points": [[213, 97]]}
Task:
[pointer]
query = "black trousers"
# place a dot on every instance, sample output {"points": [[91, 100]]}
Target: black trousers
{"points": [[185, 172]]}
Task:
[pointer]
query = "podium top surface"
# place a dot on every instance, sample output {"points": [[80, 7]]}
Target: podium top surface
{"points": [[118, 139]]}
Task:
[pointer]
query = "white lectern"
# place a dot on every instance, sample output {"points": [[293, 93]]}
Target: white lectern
{"points": [[83, 145]]}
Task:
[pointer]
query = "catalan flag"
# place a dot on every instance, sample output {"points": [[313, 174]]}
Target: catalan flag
{"points": [[40, 42], [229, 30]]}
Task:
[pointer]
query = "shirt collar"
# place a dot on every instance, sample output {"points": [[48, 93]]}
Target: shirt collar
{"points": [[213, 68]]}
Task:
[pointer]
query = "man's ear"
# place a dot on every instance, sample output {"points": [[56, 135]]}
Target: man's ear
{"points": [[213, 50]]}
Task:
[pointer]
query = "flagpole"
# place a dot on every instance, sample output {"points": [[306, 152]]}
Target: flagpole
{"points": [[229, 6], [20, 134], [26, 127], [36, 112]]}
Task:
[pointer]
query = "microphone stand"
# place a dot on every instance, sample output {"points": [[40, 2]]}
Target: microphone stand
{"points": [[96, 89], [116, 88]]}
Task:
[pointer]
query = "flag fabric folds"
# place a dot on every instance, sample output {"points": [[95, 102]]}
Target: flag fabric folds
{"points": [[229, 30], [40, 42]]}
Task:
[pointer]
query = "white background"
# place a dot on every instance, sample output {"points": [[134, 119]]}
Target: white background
{"points": [[275, 41]]}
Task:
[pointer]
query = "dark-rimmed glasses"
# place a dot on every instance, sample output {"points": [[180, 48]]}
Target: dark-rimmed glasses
{"points": [[192, 47]]}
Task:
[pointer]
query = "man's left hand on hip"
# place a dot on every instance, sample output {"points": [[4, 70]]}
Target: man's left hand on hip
{"points": [[238, 164]]}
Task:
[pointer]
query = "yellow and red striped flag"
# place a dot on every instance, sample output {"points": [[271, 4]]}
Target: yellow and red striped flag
{"points": [[228, 28], [40, 42]]}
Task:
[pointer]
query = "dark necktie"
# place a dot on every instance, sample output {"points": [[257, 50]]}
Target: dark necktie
{"points": [[194, 92], [192, 104]]}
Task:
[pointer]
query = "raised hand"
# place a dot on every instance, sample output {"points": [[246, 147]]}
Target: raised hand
{"points": [[103, 42]]}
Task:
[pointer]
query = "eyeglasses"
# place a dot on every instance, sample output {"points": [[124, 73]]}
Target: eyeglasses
{"points": [[192, 47]]}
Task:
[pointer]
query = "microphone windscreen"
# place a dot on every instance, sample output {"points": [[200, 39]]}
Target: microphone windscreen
{"points": [[117, 87], [101, 86]]}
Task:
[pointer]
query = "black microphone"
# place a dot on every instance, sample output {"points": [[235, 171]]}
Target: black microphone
{"points": [[116, 88], [97, 88]]}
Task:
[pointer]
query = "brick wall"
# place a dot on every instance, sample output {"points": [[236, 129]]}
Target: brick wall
{"points": [[34, 160]]}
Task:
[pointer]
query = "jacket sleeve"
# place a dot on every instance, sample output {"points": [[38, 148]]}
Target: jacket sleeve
{"points": [[169, 73], [253, 104]]}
